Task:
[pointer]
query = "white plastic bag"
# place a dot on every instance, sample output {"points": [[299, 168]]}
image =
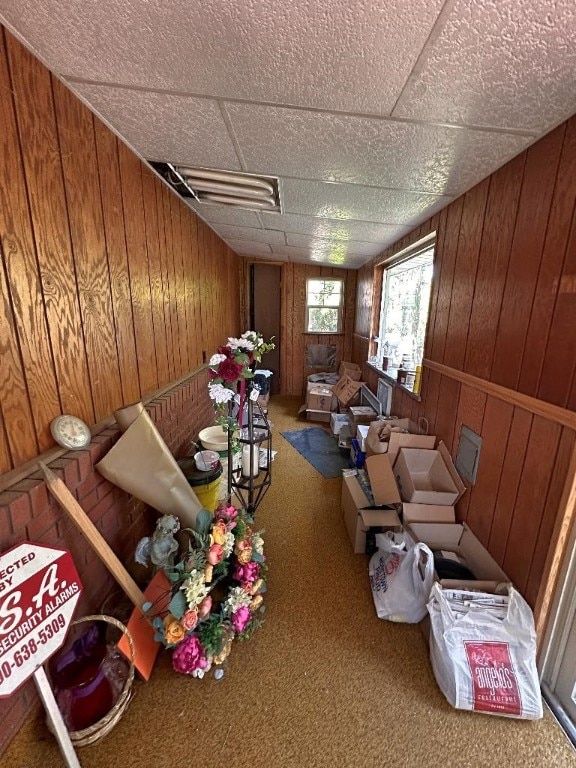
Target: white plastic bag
{"points": [[483, 652], [400, 582]]}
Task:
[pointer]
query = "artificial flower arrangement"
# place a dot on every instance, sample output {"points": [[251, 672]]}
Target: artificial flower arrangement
{"points": [[231, 368], [217, 587]]}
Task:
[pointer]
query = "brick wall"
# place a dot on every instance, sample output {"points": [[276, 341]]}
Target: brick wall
{"points": [[28, 512]]}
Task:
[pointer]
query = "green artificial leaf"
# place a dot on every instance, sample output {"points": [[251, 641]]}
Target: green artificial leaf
{"points": [[177, 606], [157, 623], [257, 557], [146, 606], [263, 588], [262, 609], [159, 637], [203, 521], [173, 576]]}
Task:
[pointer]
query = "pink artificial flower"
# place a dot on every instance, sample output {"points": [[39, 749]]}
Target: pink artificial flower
{"points": [[241, 618], [189, 656], [247, 573], [215, 554], [189, 620], [205, 607]]}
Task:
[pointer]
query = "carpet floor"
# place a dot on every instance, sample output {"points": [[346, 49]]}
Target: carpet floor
{"points": [[324, 683]]}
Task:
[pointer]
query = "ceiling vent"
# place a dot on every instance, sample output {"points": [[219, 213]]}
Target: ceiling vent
{"points": [[241, 190]]}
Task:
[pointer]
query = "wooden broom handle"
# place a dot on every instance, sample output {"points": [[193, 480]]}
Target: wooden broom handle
{"points": [[75, 512]]}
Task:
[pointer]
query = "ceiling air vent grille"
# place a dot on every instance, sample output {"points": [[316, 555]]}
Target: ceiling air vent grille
{"points": [[242, 190]]}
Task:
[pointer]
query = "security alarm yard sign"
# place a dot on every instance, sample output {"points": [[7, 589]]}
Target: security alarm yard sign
{"points": [[39, 589]]}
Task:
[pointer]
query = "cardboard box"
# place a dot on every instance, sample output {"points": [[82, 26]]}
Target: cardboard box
{"points": [[361, 414], [337, 421], [409, 439], [314, 415], [458, 538], [352, 370], [363, 514], [347, 390], [325, 393], [320, 399], [428, 476], [344, 437], [427, 513]]}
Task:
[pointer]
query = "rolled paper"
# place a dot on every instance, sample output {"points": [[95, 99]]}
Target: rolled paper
{"points": [[127, 415], [141, 464]]}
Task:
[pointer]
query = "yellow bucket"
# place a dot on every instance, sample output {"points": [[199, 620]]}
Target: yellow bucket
{"points": [[204, 484]]}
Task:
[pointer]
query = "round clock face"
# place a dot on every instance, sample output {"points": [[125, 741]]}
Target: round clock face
{"points": [[70, 432]]}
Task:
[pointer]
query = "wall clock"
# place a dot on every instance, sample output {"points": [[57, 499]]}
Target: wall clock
{"points": [[70, 432]]}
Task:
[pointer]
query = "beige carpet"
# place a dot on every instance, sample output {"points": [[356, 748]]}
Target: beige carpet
{"points": [[323, 684]]}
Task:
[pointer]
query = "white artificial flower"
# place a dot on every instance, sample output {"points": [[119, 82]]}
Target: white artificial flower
{"points": [[219, 392], [217, 359], [229, 544], [258, 544], [237, 598], [195, 588], [240, 344]]}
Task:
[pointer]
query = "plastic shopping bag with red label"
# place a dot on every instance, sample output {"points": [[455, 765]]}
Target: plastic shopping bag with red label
{"points": [[401, 576], [483, 652]]}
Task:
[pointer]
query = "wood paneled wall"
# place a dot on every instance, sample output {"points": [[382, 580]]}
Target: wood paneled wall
{"points": [[293, 371], [503, 309], [111, 286]]}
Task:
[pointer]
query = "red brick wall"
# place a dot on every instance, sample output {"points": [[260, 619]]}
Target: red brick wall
{"points": [[29, 513]]}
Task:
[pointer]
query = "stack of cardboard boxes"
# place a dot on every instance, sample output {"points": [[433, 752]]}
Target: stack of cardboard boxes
{"points": [[324, 399], [411, 484]]}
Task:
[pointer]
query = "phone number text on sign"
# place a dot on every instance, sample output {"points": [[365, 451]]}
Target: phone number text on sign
{"points": [[39, 589]]}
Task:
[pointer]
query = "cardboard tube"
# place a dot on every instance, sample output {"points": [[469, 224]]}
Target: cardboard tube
{"points": [[141, 464]]}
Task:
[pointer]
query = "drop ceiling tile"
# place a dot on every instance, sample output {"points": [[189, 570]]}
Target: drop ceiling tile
{"points": [[327, 244], [248, 233], [350, 201], [371, 151], [176, 129], [508, 64], [226, 214], [337, 55], [246, 247], [335, 258], [337, 228]]}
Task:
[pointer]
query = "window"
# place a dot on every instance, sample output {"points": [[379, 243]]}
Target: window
{"points": [[324, 302], [404, 310]]}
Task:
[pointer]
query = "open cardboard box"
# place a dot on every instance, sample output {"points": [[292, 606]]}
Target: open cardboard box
{"points": [[352, 370], [458, 538], [427, 513], [319, 397], [428, 476], [410, 439], [347, 390], [362, 513]]}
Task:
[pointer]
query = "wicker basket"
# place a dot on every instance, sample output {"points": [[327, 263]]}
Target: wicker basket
{"points": [[103, 726]]}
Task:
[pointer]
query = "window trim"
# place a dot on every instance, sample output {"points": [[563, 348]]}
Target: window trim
{"points": [[340, 307]]}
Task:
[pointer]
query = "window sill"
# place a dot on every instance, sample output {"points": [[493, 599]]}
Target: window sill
{"points": [[390, 376]]}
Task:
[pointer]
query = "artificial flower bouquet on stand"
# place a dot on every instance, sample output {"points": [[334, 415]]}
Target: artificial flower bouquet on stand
{"points": [[231, 371], [217, 585]]}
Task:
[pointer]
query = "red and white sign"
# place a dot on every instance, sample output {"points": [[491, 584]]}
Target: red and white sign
{"points": [[495, 687], [39, 589]]}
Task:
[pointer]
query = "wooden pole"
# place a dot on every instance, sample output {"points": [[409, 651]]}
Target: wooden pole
{"points": [[75, 512]]}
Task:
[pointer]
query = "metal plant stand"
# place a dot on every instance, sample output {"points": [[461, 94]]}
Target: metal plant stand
{"points": [[250, 481]]}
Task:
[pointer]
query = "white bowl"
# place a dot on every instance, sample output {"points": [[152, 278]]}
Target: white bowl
{"points": [[214, 439]]}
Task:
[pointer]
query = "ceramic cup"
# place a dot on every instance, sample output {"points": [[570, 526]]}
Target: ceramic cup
{"points": [[206, 460]]}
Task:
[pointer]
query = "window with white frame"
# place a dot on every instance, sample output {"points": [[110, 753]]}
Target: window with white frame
{"points": [[406, 284], [324, 304]]}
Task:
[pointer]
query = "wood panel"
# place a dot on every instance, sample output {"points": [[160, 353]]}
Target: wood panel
{"points": [[546, 353], [497, 236], [113, 219], [525, 257], [155, 250], [82, 329], [19, 258], [137, 249], [446, 278], [43, 172], [81, 184], [467, 252]]}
